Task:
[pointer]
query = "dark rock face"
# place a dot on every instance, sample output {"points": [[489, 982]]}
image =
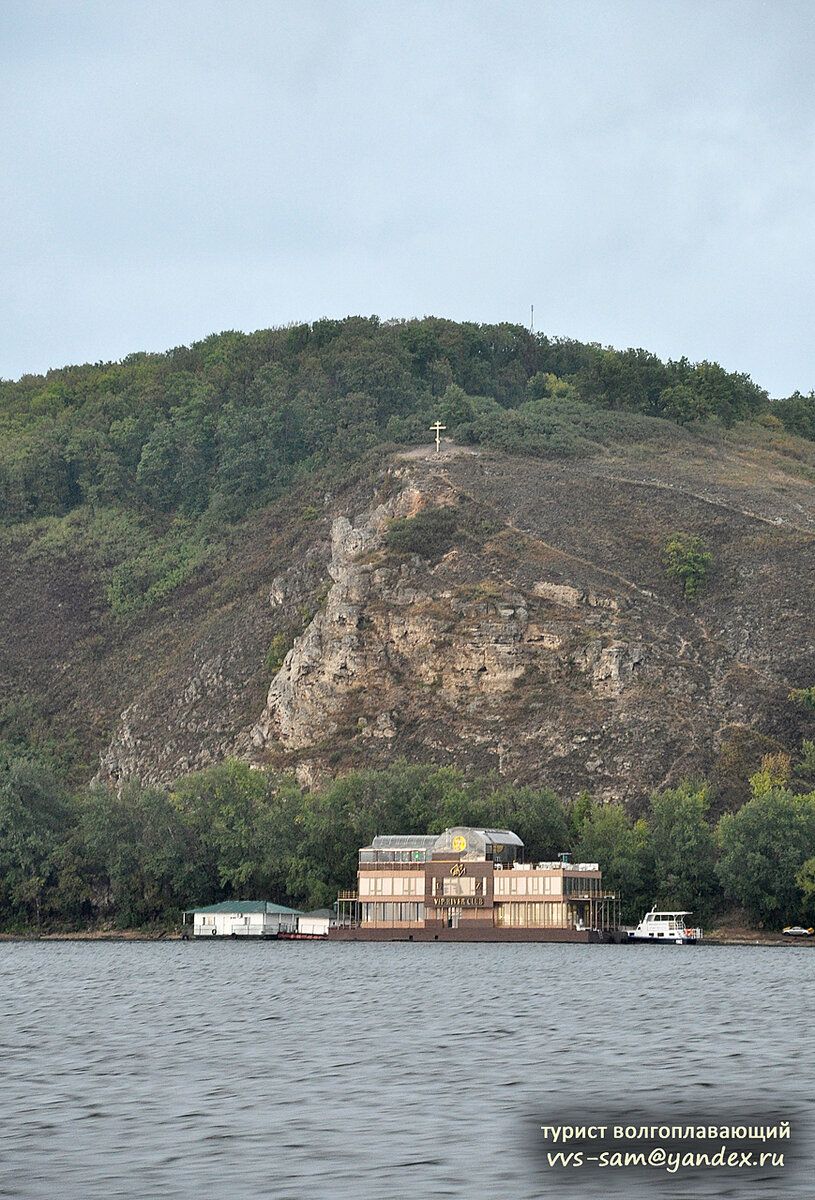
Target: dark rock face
{"points": [[547, 644]]}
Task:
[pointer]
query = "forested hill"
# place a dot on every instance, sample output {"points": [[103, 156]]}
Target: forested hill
{"points": [[232, 421], [138, 494], [248, 549], [142, 468]]}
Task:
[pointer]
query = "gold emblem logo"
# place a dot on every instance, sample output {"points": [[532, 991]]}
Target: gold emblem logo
{"points": [[459, 842]]}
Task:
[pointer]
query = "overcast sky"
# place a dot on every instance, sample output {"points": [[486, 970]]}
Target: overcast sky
{"points": [[641, 171]]}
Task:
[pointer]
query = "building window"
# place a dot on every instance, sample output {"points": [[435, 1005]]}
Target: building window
{"points": [[461, 886], [408, 885], [510, 914], [392, 914]]}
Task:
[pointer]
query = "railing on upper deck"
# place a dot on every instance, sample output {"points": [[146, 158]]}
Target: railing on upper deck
{"points": [[591, 896], [392, 866]]}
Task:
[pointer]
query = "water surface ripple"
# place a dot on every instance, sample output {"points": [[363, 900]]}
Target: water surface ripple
{"points": [[318, 1071]]}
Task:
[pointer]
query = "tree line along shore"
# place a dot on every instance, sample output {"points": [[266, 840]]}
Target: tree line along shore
{"points": [[134, 858]]}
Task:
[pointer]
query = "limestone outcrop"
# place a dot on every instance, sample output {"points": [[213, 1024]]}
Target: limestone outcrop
{"points": [[544, 643]]}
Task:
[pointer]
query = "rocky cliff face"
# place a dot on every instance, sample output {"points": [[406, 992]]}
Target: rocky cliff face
{"points": [[546, 644]]}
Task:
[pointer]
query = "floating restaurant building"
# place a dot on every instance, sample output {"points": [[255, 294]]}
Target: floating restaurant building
{"points": [[472, 885]]}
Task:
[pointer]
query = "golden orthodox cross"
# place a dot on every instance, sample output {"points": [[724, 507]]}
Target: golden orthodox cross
{"points": [[437, 428]]}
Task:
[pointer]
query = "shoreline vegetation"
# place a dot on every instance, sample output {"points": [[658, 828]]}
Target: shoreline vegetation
{"points": [[135, 858]]}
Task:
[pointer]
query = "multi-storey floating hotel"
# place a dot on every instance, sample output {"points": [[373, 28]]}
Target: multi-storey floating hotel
{"points": [[472, 885]]}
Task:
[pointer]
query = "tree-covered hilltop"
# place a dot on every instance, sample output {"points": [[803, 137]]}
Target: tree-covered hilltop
{"points": [[170, 449], [233, 420]]}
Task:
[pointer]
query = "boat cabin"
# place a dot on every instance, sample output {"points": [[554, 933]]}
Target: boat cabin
{"points": [[669, 926]]}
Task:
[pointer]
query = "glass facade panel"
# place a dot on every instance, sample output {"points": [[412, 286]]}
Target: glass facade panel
{"points": [[535, 915], [459, 887], [389, 913], [391, 884]]}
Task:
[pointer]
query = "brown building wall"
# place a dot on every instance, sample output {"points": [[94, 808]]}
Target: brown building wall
{"points": [[460, 894], [470, 931]]}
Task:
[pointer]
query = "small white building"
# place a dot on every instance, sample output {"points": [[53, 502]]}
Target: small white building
{"points": [[243, 918], [316, 923]]}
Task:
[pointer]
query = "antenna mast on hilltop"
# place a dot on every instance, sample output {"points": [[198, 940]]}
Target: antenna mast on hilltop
{"points": [[532, 318]]}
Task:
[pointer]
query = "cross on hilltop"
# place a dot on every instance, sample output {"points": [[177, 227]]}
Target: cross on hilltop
{"points": [[437, 427]]}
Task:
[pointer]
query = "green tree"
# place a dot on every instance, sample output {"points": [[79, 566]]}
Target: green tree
{"points": [[136, 853], [682, 848], [763, 847], [34, 814], [239, 815], [805, 770], [775, 773], [805, 696], [335, 821], [537, 815], [248, 462], [683, 404], [610, 838], [805, 878], [456, 406], [546, 386], [578, 812], [728, 396], [687, 560], [797, 414]]}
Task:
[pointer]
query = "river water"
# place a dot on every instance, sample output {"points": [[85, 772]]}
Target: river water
{"points": [[319, 1071]]}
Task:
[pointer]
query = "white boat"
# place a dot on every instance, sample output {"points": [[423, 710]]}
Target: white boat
{"points": [[667, 928]]}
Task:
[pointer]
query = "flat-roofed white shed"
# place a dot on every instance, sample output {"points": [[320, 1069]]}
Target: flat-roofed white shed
{"points": [[243, 918]]}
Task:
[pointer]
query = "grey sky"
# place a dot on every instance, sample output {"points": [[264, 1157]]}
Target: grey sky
{"points": [[642, 172]]}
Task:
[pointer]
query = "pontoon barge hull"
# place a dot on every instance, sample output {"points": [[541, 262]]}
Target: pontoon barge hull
{"points": [[488, 933]]}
